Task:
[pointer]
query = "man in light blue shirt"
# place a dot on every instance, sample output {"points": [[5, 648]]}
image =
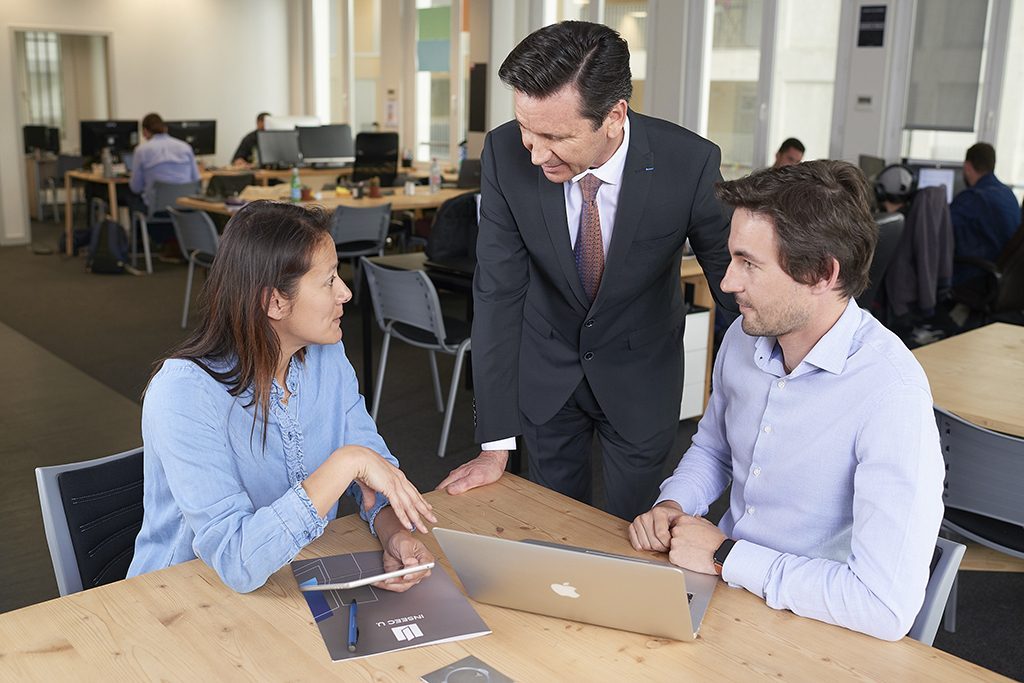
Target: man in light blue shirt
{"points": [[820, 418], [160, 158]]}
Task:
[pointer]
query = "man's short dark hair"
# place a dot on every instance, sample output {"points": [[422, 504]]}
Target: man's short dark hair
{"points": [[791, 143], [591, 57], [820, 211], [262, 115], [982, 157], [154, 124]]}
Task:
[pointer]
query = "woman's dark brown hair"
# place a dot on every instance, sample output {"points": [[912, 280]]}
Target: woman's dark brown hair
{"points": [[266, 246]]}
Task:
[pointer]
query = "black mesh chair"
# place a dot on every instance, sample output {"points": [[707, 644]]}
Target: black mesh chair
{"points": [[92, 512], [376, 156]]}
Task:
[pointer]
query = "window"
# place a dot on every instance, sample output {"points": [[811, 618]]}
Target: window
{"points": [[629, 18], [433, 79], [1010, 136], [44, 96]]}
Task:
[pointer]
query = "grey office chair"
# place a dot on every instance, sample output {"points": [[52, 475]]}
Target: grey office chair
{"points": [[162, 197], [945, 563], [65, 163], [406, 306], [92, 512], [360, 231], [984, 478], [198, 239]]}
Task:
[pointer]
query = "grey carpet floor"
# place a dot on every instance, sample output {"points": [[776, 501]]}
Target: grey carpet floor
{"points": [[75, 333]]}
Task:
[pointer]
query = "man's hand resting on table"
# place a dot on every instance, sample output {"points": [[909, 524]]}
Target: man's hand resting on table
{"points": [[484, 469]]}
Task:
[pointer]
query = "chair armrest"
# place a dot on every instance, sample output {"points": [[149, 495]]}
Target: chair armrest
{"points": [[984, 264]]}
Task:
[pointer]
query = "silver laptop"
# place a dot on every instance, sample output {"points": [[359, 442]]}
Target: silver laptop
{"points": [[585, 585]]}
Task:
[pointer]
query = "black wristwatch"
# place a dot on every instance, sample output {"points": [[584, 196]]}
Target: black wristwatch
{"points": [[721, 554]]}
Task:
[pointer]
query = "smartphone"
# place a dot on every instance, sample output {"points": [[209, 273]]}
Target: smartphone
{"points": [[366, 580]]}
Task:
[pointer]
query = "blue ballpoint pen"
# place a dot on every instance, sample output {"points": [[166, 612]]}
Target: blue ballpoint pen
{"points": [[353, 627]]}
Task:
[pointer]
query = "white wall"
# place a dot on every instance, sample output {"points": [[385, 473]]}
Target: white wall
{"points": [[217, 59]]}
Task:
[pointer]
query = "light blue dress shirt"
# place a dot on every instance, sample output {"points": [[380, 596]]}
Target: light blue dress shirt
{"points": [[836, 474], [163, 159], [212, 491]]}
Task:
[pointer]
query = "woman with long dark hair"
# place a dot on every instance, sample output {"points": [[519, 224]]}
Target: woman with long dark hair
{"points": [[254, 427]]}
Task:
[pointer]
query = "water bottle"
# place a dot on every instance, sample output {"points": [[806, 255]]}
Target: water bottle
{"points": [[296, 194], [435, 175], [107, 159]]}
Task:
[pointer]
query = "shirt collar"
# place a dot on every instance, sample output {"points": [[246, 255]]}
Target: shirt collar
{"points": [[829, 354], [610, 172]]}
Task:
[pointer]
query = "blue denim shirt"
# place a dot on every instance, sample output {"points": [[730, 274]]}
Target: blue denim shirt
{"points": [[836, 474], [213, 491]]}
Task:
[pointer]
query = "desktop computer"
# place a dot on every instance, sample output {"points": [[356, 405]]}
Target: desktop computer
{"points": [[326, 145], [278, 148], [119, 136], [930, 173], [201, 135], [43, 138]]}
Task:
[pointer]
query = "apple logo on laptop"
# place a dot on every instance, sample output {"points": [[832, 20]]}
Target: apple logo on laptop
{"points": [[565, 590]]}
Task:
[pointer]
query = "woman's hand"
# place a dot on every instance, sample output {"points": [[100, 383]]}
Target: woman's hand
{"points": [[401, 549], [375, 474]]}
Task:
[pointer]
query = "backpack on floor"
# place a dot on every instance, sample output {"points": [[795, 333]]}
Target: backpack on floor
{"points": [[108, 248]]}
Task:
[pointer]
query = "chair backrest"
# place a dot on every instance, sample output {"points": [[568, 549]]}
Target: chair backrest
{"points": [[944, 566], [923, 262], [1010, 294], [376, 155], [453, 233], [361, 224], [164, 195], [890, 230], [92, 512], [407, 297], [984, 469], [195, 232]]}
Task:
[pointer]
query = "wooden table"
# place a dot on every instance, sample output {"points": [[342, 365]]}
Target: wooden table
{"points": [[87, 177], [979, 375], [182, 623], [422, 201]]}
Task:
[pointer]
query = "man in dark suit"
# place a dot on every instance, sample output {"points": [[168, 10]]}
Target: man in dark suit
{"points": [[578, 309]]}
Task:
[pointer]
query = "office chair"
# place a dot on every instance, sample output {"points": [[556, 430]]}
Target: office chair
{"points": [[65, 163], [984, 477], [890, 230], [162, 196], [1001, 290], [406, 306], [360, 231], [198, 239], [92, 512], [376, 155], [942, 575], [228, 185]]}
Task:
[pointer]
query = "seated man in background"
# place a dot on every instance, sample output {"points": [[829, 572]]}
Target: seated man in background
{"points": [[791, 151], [985, 215], [160, 158], [820, 418], [245, 155]]}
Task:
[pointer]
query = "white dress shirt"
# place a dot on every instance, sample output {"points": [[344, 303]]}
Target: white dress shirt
{"points": [[610, 173], [836, 474]]}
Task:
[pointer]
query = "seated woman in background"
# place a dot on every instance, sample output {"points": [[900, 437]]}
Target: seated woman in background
{"points": [[254, 427]]}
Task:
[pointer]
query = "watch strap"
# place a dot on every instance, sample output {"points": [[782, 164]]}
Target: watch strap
{"points": [[721, 554]]}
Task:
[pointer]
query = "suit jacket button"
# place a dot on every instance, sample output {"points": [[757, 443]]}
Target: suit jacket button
{"points": [[589, 323], [588, 355]]}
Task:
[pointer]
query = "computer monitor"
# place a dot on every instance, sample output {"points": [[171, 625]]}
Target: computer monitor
{"points": [[43, 138], [202, 135], [938, 173], [120, 136], [278, 147], [326, 144], [871, 166]]}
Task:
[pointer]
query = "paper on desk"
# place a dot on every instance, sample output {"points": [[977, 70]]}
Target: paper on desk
{"points": [[433, 611]]}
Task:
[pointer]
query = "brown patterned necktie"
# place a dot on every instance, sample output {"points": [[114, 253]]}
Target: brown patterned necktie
{"points": [[589, 250]]}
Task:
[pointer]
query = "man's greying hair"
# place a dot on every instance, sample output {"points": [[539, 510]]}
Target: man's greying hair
{"points": [[591, 57], [820, 211], [982, 157]]}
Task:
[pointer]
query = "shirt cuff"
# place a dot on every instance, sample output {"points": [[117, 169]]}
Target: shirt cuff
{"points": [[748, 565], [380, 502], [507, 444], [298, 516]]}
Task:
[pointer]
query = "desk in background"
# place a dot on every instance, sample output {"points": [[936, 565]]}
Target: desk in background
{"points": [[979, 375], [183, 623]]}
